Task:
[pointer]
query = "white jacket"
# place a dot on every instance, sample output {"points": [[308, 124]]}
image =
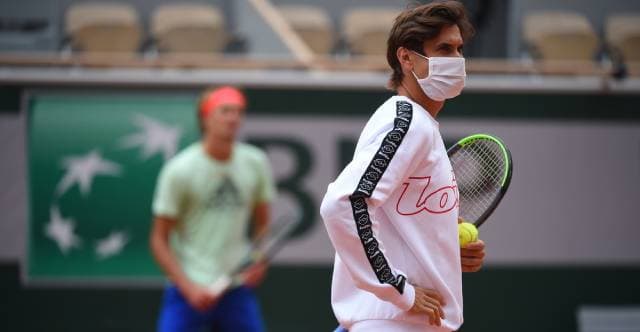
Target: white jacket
{"points": [[392, 218]]}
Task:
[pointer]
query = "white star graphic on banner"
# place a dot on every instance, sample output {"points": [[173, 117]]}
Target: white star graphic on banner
{"points": [[82, 170], [60, 230], [111, 245], [154, 137]]}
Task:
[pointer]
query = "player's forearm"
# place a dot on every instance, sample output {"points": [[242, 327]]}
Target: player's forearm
{"points": [[343, 232], [261, 216], [167, 261]]}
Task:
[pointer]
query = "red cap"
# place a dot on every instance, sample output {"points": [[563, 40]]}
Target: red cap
{"points": [[226, 95]]}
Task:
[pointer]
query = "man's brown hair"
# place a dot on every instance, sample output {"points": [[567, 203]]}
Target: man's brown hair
{"points": [[416, 25]]}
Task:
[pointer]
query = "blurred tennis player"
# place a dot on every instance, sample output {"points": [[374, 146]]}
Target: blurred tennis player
{"points": [[392, 213], [204, 199]]}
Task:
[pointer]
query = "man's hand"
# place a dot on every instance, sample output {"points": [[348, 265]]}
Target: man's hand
{"points": [[430, 302], [472, 256], [254, 275], [199, 297]]}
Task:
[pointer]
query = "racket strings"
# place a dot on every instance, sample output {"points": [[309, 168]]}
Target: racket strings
{"points": [[485, 174], [479, 167], [482, 188]]}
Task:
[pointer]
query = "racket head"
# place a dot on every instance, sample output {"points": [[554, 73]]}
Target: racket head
{"points": [[266, 247], [483, 168], [263, 249]]}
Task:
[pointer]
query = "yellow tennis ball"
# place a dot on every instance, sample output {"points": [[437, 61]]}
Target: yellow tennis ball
{"points": [[467, 233]]}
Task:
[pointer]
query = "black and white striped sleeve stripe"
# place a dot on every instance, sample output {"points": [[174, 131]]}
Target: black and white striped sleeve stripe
{"points": [[365, 188]]}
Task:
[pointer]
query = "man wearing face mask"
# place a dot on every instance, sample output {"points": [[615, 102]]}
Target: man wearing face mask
{"points": [[392, 213]]}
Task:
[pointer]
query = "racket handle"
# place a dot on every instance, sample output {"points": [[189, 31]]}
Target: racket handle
{"points": [[220, 285], [225, 283]]}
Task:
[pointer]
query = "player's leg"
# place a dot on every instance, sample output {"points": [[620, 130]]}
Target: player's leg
{"points": [[239, 312], [176, 315]]}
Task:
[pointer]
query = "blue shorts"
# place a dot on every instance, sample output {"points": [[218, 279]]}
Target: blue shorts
{"points": [[237, 311]]}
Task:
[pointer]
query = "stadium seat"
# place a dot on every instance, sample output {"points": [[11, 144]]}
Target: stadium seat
{"points": [[312, 24], [188, 28], [103, 27], [366, 30], [559, 35], [623, 36]]}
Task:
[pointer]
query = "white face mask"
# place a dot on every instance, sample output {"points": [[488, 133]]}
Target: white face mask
{"points": [[446, 77]]}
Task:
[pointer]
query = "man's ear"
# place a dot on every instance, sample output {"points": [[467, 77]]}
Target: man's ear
{"points": [[404, 57]]}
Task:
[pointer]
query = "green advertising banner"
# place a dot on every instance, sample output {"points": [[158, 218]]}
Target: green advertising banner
{"points": [[93, 165]]}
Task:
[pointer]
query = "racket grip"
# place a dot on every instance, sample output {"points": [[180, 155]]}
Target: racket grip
{"points": [[225, 283], [220, 285]]}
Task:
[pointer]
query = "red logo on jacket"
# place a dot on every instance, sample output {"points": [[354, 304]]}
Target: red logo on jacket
{"points": [[413, 200]]}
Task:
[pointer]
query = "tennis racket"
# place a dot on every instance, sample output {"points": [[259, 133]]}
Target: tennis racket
{"points": [[262, 249], [482, 166]]}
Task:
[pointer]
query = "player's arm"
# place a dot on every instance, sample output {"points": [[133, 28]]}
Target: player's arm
{"points": [[254, 275], [261, 218], [350, 226], [263, 196], [196, 295], [167, 205], [159, 244]]}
